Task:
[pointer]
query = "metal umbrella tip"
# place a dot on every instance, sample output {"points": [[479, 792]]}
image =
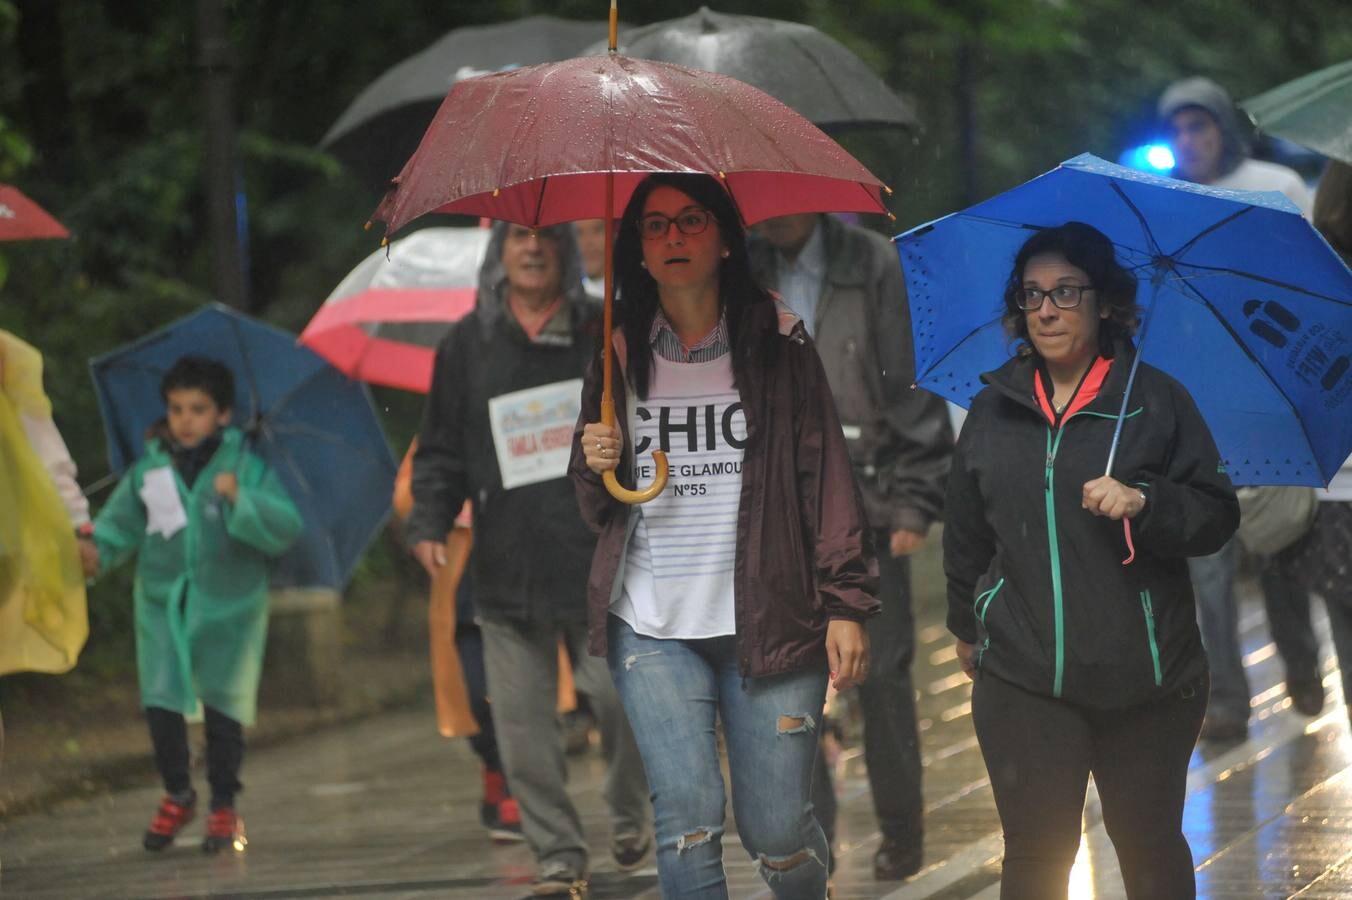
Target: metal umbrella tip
{"points": [[497, 191], [892, 217], [888, 190], [367, 226], [722, 175], [384, 242]]}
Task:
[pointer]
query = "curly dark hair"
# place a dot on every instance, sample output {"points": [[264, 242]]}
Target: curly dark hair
{"points": [[1087, 248], [638, 301], [209, 376]]}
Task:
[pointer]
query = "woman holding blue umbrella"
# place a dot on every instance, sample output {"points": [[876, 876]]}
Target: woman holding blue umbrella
{"points": [[1068, 589]]}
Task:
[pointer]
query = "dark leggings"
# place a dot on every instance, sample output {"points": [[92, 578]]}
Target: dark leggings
{"points": [[469, 642], [1040, 753], [225, 752]]}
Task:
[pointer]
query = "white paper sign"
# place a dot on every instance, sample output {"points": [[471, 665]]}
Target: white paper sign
{"points": [[533, 431], [164, 508]]}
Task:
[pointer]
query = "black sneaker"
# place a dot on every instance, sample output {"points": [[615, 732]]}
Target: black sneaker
{"points": [[896, 860], [577, 731], [1306, 696], [558, 879], [630, 850]]}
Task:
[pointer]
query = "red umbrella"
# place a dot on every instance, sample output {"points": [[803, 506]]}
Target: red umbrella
{"points": [[384, 320], [23, 220], [537, 145], [570, 140]]}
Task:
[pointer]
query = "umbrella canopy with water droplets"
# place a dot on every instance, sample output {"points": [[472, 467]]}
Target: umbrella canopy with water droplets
{"points": [[535, 146]]}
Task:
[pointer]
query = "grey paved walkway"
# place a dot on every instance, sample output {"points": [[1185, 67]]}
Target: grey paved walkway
{"points": [[386, 808]]}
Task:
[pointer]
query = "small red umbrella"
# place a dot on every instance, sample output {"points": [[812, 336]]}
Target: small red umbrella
{"points": [[23, 220], [570, 140], [384, 320]]}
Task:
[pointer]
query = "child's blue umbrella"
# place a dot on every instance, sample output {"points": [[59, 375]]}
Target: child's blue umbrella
{"points": [[1242, 301], [314, 426]]}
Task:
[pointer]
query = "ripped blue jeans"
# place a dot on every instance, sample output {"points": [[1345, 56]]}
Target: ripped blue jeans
{"points": [[672, 691]]}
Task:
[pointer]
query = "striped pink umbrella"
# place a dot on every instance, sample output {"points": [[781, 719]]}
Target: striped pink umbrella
{"points": [[384, 320]]}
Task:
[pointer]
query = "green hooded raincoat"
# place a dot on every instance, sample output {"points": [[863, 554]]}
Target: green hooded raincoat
{"points": [[201, 593]]}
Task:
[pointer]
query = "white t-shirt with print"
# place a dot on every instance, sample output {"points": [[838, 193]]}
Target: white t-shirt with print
{"points": [[678, 575]]}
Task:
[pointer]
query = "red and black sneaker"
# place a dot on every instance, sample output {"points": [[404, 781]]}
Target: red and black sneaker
{"points": [[506, 828], [169, 819], [225, 831]]}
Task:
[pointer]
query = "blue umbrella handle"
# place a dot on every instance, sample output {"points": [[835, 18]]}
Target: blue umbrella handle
{"points": [[1131, 378]]}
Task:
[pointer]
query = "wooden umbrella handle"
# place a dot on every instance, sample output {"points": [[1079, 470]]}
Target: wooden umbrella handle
{"points": [[617, 490]]}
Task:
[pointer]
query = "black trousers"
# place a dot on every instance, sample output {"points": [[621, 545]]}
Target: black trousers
{"points": [[1040, 752], [469, 642], [887, 699], [225, 752]]}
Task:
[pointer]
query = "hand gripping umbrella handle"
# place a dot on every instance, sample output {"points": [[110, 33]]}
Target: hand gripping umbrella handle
{"points": [[619, 491]]}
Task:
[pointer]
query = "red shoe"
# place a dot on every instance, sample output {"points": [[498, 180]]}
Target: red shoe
{"points": [[507, 827], [225, 831], [168, 821]]}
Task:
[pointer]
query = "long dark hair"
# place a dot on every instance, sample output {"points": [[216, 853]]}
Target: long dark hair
{"points": [[638, 303], [1087, 248]]}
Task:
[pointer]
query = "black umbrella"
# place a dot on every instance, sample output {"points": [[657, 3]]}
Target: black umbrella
{"points": [[379, 131], [796, 64]]}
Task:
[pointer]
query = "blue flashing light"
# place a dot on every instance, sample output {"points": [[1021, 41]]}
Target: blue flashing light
{"points": [[1149, 158]]}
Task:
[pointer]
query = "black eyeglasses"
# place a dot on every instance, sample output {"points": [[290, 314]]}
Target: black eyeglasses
{"points": [[1063, 296], [654, 226]]}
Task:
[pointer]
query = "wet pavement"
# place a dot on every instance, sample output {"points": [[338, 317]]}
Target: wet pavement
{"points": [[386, 808]]}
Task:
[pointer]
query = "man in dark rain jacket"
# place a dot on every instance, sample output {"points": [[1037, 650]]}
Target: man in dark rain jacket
{"points": [[845, 282], [532, 331]]}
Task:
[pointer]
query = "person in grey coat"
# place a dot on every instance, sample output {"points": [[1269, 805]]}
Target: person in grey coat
{"points": [[845, 282]]}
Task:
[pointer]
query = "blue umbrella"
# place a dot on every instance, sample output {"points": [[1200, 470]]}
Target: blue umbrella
{"points": [[312, 424], [1242, 300]]}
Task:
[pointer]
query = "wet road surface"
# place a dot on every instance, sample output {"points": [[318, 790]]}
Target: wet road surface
{"points": [[388, 809]]}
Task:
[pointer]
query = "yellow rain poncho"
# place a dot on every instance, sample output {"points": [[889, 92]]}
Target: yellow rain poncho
{"points": [[201, 589], [43, 623]]}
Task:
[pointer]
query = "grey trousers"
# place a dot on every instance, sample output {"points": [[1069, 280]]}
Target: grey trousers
{"points": [[1288, 613], [521, 661]]}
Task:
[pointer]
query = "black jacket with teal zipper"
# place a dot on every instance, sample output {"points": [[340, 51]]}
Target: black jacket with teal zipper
{"points": [[1037, 582]]}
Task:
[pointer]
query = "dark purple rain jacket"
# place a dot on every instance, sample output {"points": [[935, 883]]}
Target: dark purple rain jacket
{"points": [[804, 552]]}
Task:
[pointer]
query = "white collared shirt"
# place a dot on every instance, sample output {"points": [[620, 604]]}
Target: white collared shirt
{"points": [[800, 282]]}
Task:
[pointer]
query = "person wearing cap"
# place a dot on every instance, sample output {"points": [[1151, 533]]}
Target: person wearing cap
{"points": [[1210, 148]]}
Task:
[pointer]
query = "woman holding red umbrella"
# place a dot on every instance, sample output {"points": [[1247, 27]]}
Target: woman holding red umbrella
{"points": [[744, 585]]}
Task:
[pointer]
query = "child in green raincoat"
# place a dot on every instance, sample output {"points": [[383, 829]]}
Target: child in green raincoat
{"points": [[206, 516]]}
